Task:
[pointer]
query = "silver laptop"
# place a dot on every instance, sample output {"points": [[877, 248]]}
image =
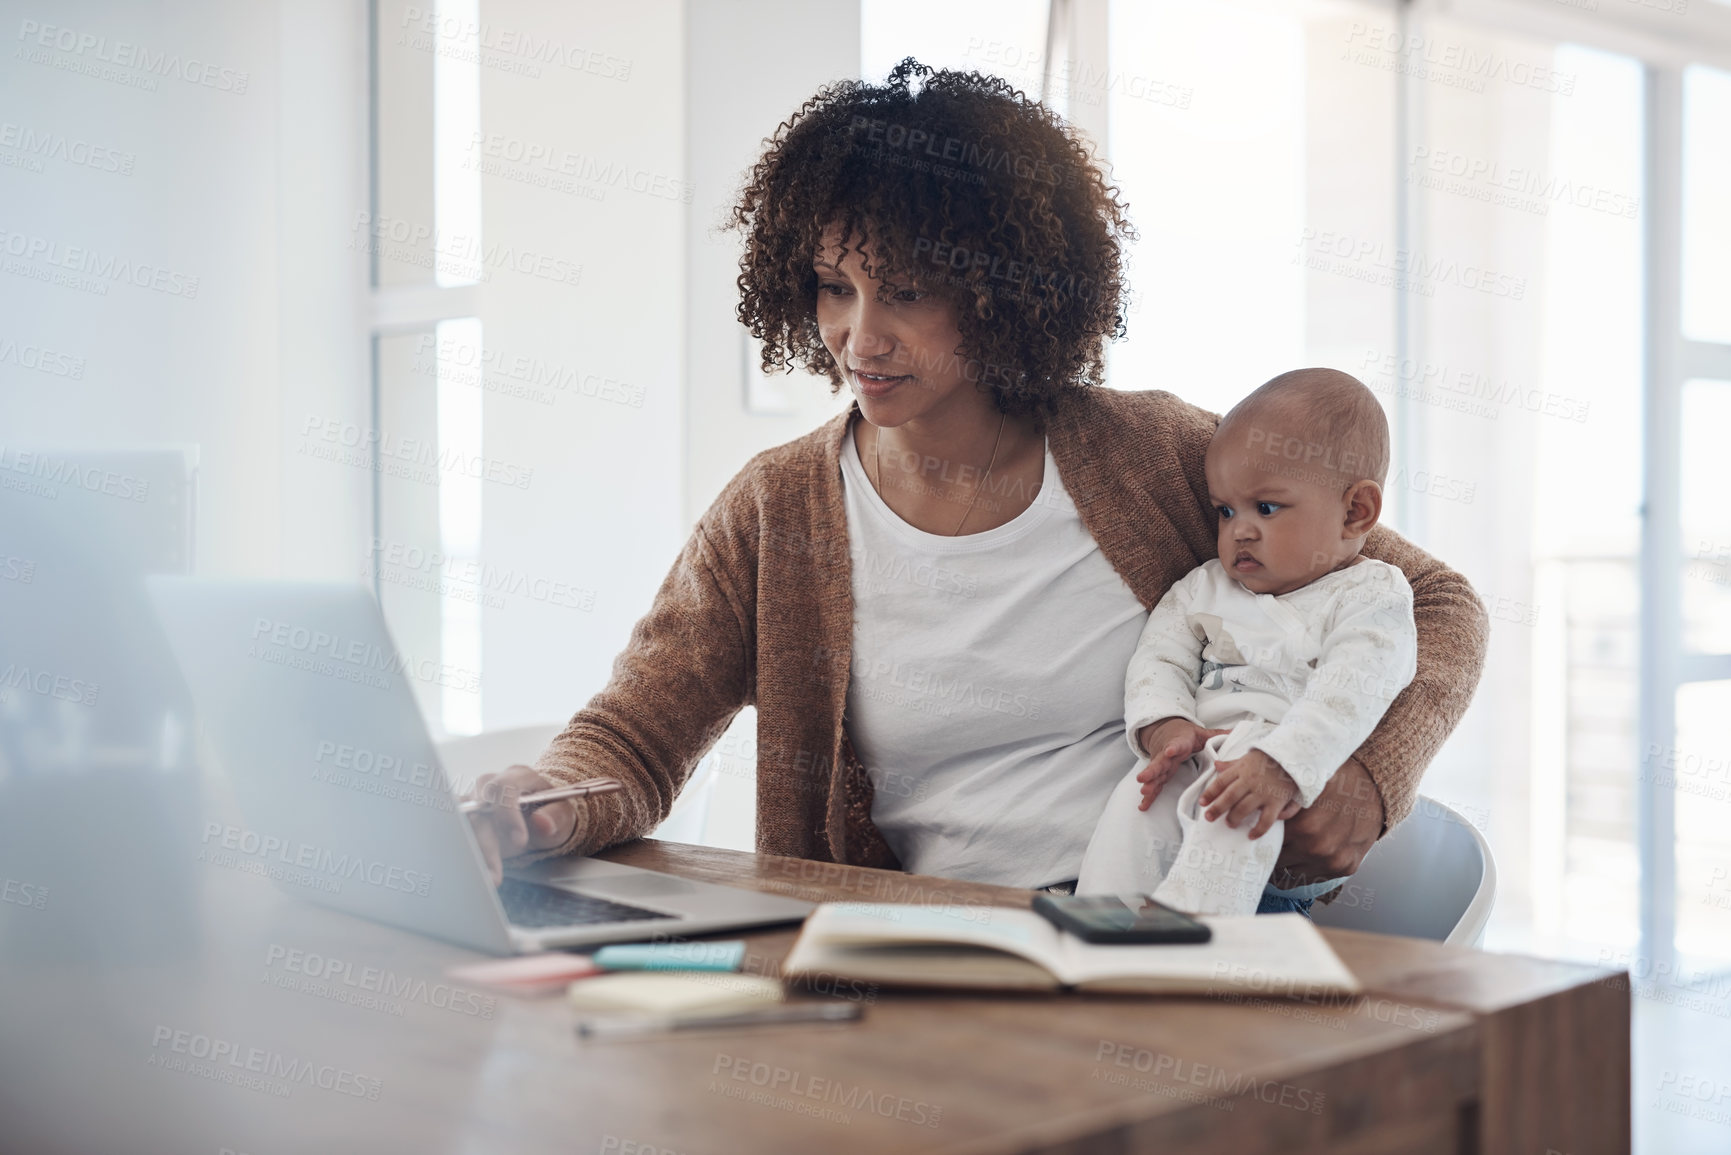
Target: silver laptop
{"points": [[307, 706]]}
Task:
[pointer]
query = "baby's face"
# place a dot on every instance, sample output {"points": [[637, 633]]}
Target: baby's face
{"points": [[1282, 524]]}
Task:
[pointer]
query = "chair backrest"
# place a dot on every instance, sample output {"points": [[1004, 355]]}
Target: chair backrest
{"points": [[1431, 877], [464, 759]]}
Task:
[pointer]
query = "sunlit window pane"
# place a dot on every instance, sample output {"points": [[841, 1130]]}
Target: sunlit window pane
{"points": [[1584, 413], [1706, 204], [1211, 161], [1706, 522], [456, 180]]}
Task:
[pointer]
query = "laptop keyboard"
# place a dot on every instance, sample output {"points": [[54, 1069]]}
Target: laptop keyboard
{"points": [[533, 905]]}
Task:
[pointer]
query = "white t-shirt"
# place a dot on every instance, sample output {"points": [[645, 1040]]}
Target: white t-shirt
{"points": [[987, 691]]}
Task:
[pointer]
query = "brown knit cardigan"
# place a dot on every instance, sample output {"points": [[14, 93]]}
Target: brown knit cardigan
{"points": [[758, 610]]}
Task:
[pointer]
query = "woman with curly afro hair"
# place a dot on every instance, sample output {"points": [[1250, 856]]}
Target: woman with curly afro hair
{"points": [[931, 600]]}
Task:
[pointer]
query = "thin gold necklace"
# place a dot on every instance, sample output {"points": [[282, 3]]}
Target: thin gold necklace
{"points": [[878, 462]]}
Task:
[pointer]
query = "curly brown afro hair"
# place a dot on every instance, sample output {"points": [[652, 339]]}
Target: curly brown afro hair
{"points": [[961, 186]]}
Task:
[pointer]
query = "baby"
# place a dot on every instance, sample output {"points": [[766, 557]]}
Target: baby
{"points": [[1260, 672]]}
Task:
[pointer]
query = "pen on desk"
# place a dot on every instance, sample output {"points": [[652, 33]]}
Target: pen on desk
{"points": [[627, 1028], [540, 798]]}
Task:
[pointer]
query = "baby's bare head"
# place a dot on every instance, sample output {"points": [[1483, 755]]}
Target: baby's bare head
{"points": [[1320, 426], [1295, 475]]}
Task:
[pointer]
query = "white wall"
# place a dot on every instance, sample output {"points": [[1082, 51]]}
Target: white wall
{"points": [[749, 64], [221, 185], [603, 511]]}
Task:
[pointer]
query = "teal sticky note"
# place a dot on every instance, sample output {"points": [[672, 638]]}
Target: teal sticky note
{"points": [[671, 956]]}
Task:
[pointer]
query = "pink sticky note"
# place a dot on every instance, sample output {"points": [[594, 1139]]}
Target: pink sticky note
{"points": [[535, 974]]}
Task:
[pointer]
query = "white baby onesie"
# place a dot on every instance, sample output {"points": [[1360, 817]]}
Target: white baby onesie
{"points": [[1304, 677]]}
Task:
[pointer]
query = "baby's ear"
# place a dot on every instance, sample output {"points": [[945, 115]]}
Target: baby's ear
{"points": [[1363, 501]]}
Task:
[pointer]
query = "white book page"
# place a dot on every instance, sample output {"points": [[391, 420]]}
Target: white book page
{"points": [[1270, 955], [1018, 932]]}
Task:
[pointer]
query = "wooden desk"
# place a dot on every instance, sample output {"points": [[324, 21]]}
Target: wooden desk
{"points": [[1453, 1051]]}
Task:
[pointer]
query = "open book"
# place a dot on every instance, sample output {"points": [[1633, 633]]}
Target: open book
{"points": [[1002, 948]]}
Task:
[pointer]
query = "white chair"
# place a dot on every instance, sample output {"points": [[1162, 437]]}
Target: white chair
{"points": [[1431, 877], [464, 759]]}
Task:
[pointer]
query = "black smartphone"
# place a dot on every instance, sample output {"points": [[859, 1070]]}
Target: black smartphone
{"points": [[1109, 918]]}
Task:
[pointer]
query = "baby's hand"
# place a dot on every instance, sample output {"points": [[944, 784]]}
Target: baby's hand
{"points": [[1168, 742], [1248, 784]]}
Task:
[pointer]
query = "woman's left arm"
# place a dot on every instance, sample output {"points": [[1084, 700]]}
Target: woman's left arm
{"points": [[1453, 630], [1377, 786]]}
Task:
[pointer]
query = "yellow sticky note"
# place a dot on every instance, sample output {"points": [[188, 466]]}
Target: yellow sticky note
{"points": [[673, 994]]}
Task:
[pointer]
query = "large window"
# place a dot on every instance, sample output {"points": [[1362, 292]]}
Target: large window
{"points": [[1516, 239], [1467, 242], [527, 396]]}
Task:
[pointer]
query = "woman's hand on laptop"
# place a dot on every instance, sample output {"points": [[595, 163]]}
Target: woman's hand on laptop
{"points": [[504, 831]]}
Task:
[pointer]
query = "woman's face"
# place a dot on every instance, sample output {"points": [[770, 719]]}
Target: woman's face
{"points": [[899, 354]]}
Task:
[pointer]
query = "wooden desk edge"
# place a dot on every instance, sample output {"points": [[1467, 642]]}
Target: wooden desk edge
{"points": [[1573, 1014], [1451, 977]]}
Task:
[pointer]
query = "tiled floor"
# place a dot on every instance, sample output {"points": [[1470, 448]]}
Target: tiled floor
{"points": [[1682, 1092]]}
